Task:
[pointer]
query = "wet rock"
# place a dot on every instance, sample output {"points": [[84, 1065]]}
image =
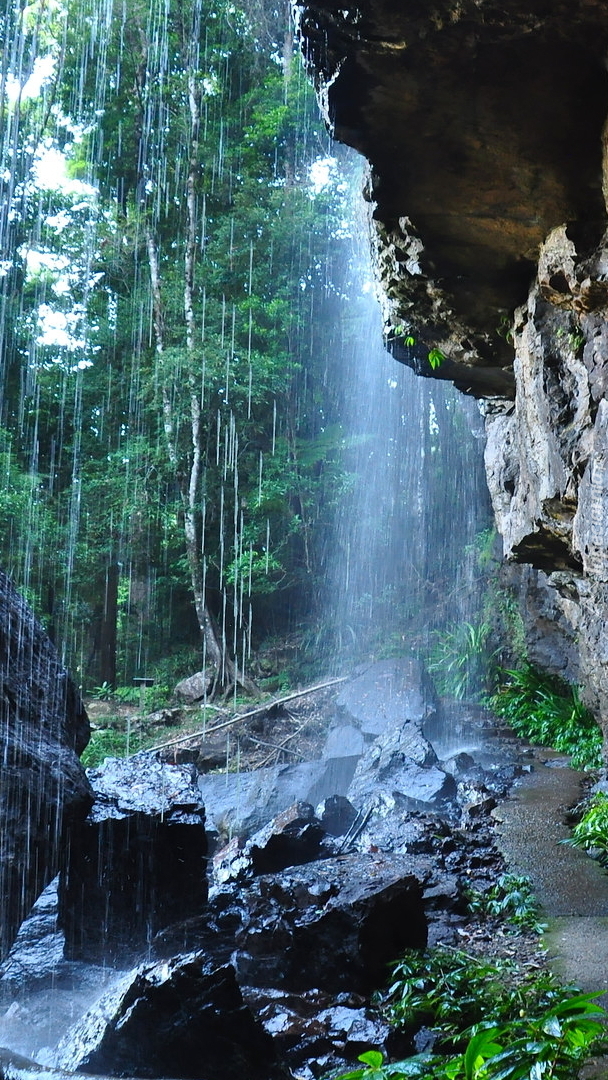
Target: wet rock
{"points": [[296, 836], [313, 1025], [293, 837], [388, 826], [401, 764], [345, 740], [194, 688], [44, 727], [183, 1018], [38, 948], [334, 924], [138, 862], [461, 765], [389, 692], [242, 803], [337, 815]]}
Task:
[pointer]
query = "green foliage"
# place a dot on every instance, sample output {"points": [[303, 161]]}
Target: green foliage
{"points": [[436, 358], [102, 693], [591, 832], [127, 695], [546, 711], [552, 1044], [421, 1067], [406, 336], [461, 659], [108, 742], [495, 1021], [451, 991], [511, 898]]}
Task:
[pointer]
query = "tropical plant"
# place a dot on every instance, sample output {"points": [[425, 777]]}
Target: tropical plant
{"points": [[452, 991], [436, 358], [591, 832], [495, 1021], [512, 899], [421, 1067], [549, 712], [461, 660]]}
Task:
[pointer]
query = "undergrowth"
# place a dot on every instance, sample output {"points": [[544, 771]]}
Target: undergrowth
{"points": [[492, 1020], [510, 899], [591, 832], [108, 742], [461, 659], [546, 711]]}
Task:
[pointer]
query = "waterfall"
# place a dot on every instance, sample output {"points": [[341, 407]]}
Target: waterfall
{"points": [[402, 566]]}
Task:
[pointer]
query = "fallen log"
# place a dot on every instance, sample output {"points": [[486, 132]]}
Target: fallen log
{"points": [[258, 711]]}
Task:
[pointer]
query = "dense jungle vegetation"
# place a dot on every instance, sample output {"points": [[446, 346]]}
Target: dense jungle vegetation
{"points": [[178, 289]]}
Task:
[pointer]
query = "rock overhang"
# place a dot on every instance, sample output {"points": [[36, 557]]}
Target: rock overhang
{"points": [[482, 124]]}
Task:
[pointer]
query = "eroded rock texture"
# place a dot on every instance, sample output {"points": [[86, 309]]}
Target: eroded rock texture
{"points": [[138, 861], [43, 785], [485, 128]]}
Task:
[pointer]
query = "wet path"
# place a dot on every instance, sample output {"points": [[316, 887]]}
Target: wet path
{"points": [[571, 887]]}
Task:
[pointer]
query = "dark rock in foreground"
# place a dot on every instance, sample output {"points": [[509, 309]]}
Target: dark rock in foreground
{"points": [[138, 863], [183, 1018], [43, 728], [336, 924]]}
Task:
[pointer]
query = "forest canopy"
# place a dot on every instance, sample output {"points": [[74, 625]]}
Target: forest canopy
{"points": [[187, 451], [164, 248]]}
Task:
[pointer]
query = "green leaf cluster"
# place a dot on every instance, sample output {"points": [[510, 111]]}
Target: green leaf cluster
{"points": [[549, 712], [510, 898], [495, 1021], [591, 832], [460, 660]]}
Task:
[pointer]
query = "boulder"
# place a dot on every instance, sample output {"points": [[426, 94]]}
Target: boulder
{"points": [[241, 803], [293, 837], [314, 1028], [334, 924], [138, 862], [388, 692], [194, 688], [44, 728], [337, 815], [181, 1017], [37, 951], [401, 764]]}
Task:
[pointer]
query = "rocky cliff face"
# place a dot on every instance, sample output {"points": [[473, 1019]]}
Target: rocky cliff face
{"points": [[43, 786], [485, 127]]}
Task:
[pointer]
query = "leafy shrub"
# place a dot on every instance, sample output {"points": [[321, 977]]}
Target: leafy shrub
{"points": [[511, 898], [546, 711], [421, 1067], [461, 659], [451, 991], [108, 742], [591, 833], [507, 1024]]}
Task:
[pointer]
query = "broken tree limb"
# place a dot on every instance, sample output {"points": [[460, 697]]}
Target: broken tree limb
{"points": [[258, 711]]}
